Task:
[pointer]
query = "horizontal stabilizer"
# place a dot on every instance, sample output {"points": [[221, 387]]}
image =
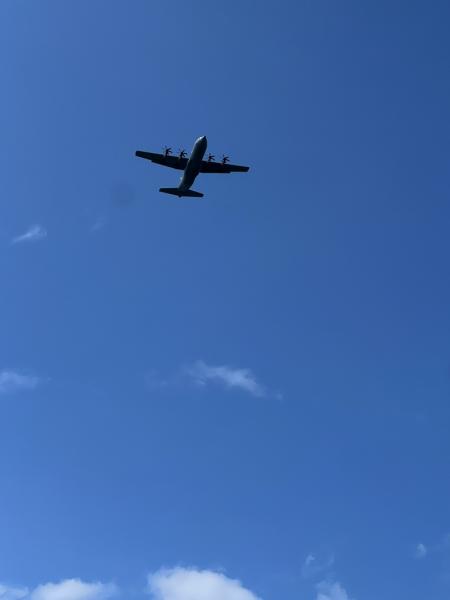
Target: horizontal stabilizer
{"points": [[178, 192]]}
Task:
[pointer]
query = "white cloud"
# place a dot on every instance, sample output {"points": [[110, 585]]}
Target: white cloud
{"points": [[69, 589], [74, 589], [34, 234], [230, 377], [12, 593], [420, 551], [193, 584], [327, 590], [13, 381]]}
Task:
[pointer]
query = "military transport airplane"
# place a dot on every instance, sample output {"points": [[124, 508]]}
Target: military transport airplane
{"points": [[191, 166]]}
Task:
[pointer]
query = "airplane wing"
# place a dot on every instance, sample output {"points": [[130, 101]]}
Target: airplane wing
{"points": [[174, 162], [216, 167]]}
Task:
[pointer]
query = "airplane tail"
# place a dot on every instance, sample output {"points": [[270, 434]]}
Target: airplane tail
{"points": [[178, 192]]}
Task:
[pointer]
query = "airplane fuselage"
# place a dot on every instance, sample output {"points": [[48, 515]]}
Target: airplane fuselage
{"points": [[194, 163]]}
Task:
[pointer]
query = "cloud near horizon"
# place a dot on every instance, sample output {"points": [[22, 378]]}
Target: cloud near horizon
{"points": [[194, 584], [68, 589], [165, 584], [14, 381], [230, 377], [12, 593], [179, 583], [331, 590], [34, 234]]}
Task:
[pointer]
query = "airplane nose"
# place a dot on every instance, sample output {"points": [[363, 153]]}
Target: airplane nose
{"points": [[202, 141]]}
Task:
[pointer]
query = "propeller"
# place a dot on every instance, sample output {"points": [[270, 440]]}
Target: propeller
{"points": [[167, 150], [181, 153], [225, 159], [211, 157]]}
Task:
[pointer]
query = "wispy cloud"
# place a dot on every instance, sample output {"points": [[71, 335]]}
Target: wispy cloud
{"points": [[154, 381], [98, 224], [420, 551], [331, 590], [14, 381], [195, 584], [313, 566], [230, 377], [439, 549], [34, 234]]}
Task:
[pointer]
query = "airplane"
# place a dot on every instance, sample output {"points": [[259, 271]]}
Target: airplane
{"points": [[191, 166]]}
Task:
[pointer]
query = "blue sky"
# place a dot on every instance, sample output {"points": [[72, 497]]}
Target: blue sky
{"points": [[244, 396]]}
